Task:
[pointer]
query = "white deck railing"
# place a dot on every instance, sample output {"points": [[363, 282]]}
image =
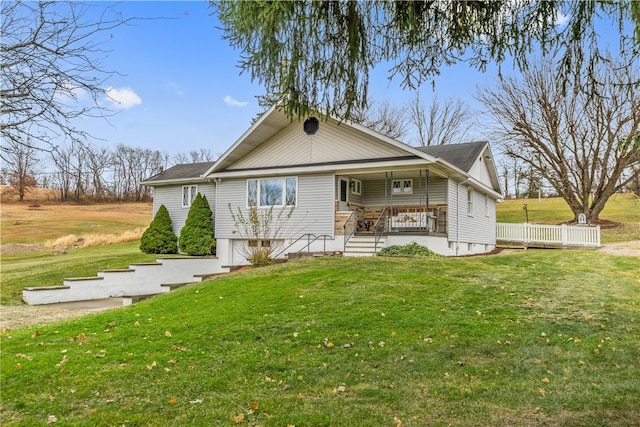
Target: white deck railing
{"points": [[538, 234]]}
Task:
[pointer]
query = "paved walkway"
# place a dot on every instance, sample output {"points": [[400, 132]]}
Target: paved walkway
{"points": [[12, 316]]}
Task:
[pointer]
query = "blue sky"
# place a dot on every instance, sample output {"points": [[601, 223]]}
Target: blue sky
{"points": [[180, 88]]}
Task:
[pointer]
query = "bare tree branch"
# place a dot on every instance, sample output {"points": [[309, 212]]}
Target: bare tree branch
{"points": [[584, 146], [51, 69], [447, 123]]}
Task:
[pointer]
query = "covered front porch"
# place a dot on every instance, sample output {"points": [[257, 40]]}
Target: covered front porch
{"points": [[398, 202]]}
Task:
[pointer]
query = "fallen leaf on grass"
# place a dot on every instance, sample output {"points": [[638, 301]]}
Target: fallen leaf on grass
{"points": [[239, 419], [397, 422], [173, 401], [167, 333], [52, 419]]}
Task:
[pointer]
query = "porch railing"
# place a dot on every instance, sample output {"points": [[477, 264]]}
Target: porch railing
{"points": [[539, 234], [350, 226]]}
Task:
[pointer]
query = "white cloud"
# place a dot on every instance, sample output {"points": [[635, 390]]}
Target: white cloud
{"points": [[561, 19], [124, 98], [67, 91], [234, 103], [175, 87]]}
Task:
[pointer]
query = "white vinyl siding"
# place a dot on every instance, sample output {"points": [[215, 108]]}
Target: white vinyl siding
{"points": [[374, 192], [171, 197], [313, 213], [478, 229], [332, 143]]}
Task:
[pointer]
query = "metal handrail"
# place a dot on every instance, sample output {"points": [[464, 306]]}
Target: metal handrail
{"points": [[310, 239], [350, 226], [380, 227]]}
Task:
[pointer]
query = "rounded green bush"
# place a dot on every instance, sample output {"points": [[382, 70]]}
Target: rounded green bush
{"points": [[159, 238]]}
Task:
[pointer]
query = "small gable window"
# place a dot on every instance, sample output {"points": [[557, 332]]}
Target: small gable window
{"points": [[402, 186], [189, 193]]}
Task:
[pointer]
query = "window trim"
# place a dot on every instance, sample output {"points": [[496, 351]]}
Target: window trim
{"points": [[284, 194], [402, 188], [191, 193], [356, 186], [470, 196]]}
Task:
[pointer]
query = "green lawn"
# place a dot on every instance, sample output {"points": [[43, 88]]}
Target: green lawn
{"points": [[33, 269], [623, 209], [545, 337]]}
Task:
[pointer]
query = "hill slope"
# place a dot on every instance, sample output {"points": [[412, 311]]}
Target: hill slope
{"points": [[536, 337]]}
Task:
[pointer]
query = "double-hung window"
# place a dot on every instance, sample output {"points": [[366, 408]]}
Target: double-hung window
{"points": [[268, 192], [189, 193], [469, 201]]}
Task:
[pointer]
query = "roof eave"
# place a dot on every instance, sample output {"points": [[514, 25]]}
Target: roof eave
{"points": [[162, 182]]}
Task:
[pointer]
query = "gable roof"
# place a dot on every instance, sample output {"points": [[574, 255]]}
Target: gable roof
{"points": [[190, 172], [462, 156], [462, 161]]}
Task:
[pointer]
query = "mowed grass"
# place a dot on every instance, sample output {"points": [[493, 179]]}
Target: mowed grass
{"points": [[544, 337], [623, 209], [45, 268]]}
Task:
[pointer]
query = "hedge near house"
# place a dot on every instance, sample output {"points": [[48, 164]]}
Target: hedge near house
{"points": [[159, 238], [196, 237]]}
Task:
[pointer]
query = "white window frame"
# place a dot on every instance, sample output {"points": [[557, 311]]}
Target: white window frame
{"points": [[470, 196], [283, 195], [402, 186], [356, 186], [189, 193]]}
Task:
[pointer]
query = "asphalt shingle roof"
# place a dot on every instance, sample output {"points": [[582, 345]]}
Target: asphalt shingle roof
{"points": [[181, 172], [462, 156]]}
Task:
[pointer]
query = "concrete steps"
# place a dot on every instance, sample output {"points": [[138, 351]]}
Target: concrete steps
{"points": [[136, 282], [363, 245]]}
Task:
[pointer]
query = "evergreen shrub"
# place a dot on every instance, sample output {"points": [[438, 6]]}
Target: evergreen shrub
{"points": [[159, 238], [197, 235]]}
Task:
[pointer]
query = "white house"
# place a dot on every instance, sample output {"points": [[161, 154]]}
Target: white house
{"points": [[353, 190]]}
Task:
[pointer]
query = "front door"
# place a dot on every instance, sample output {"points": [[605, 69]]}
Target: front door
{"points": [[343, 194]]}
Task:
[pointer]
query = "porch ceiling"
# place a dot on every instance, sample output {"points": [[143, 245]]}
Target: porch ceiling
{"points": [[405, 172]]}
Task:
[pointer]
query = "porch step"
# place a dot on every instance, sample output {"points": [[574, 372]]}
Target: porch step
{"points": [[363, 246]]}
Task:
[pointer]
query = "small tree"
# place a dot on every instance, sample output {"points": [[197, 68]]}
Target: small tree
{"points": [[262, 231], [159, 238], [197, 235]]}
